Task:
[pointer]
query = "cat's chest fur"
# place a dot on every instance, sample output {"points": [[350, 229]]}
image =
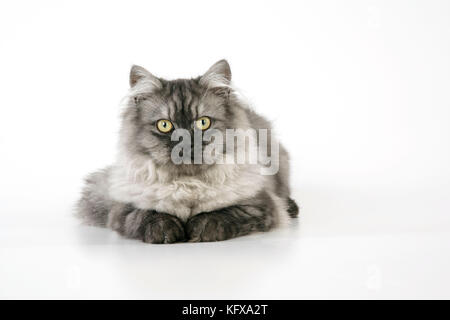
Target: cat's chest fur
{"points": [[147, 188]]}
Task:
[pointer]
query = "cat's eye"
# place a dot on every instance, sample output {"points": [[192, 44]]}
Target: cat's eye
{"points": [[203, 123], [164, 125]]}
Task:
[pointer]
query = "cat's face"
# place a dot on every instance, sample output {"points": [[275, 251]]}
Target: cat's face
{"points": [[158, 107]]}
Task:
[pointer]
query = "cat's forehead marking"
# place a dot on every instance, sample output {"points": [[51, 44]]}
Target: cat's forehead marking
{"points": [[182, 101], [171, 109]]}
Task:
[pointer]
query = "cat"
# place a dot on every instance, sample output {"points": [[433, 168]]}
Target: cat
{"points": [[146, 196]]}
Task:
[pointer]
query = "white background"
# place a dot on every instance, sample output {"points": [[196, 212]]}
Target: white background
{"points": [[358, 90]]}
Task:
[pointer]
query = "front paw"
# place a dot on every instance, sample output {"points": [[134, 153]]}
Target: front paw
{"points": [[162, 228], [216, 226]]}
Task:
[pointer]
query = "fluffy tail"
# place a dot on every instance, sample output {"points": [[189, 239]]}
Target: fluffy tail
{"points": [[94, 204]]}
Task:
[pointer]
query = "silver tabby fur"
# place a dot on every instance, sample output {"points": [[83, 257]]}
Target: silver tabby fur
{"points": [[144, 195]]}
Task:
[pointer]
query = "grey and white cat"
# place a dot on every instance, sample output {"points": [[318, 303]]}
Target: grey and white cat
{"points": [[146, 196]]}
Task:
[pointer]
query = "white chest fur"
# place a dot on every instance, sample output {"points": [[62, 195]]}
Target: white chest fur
{"points": [[147, 188]]}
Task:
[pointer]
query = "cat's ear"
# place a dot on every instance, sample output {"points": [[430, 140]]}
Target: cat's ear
{"points": [[139, 74], [219, 75]]}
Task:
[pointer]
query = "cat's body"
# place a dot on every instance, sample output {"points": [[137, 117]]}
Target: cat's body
{"points": [[145, 195]]}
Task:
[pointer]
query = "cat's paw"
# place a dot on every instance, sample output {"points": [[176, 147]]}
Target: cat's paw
{"points": [[207, 227], [162, 228]]}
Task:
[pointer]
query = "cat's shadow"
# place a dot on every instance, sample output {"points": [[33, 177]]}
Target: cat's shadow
{"points": [[91, 235], [176, 270]]}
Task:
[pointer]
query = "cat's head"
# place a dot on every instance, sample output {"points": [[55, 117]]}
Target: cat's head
{"points": [[157, 107]]}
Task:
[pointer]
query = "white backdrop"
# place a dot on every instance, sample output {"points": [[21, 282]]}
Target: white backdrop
{"points": [[358, 90]]}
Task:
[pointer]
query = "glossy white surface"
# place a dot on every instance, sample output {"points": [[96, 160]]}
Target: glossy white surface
{"points": [[342, 256], [359, 94]]}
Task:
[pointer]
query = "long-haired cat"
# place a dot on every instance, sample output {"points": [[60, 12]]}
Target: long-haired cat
{"points": [[145, 195]]}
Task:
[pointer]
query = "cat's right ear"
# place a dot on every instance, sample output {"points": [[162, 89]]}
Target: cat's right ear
{"points": [[139, 74]]}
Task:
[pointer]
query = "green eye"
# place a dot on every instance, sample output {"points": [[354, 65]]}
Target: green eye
{"points": [[203, 123], [164, 125]]}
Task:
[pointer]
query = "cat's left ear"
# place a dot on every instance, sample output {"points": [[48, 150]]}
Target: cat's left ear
{"points": [[219, 75]]}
